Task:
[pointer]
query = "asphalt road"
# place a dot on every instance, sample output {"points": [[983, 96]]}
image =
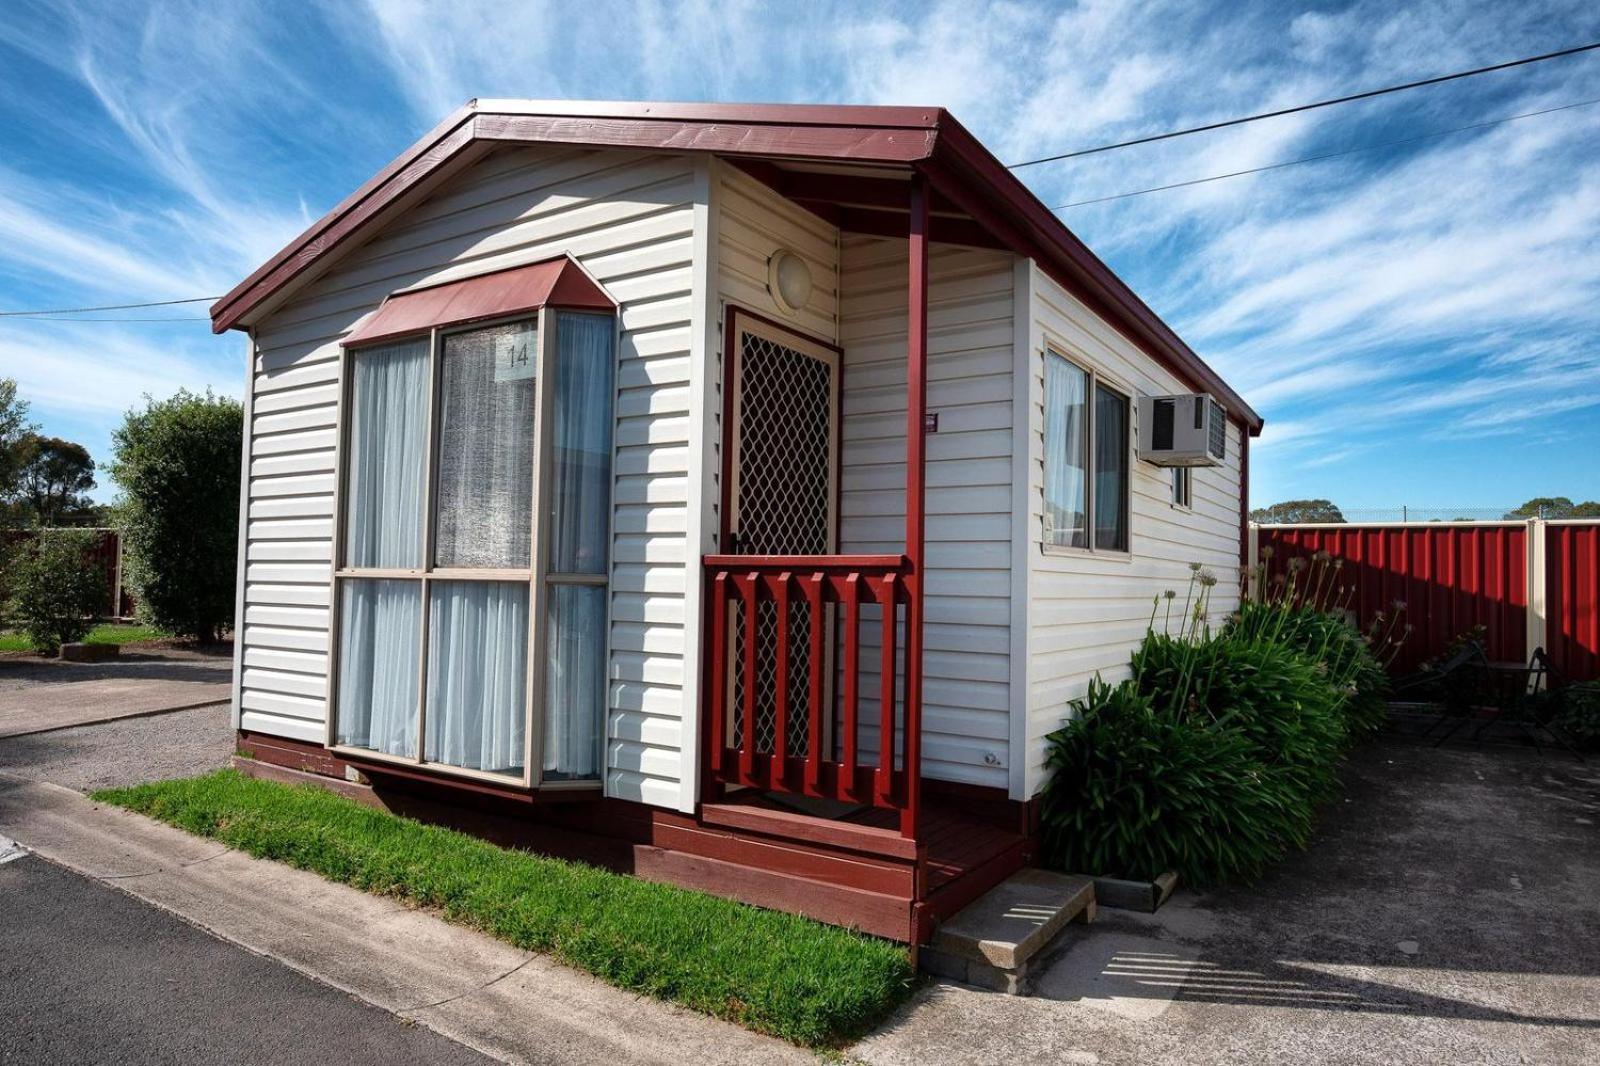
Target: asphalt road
{"points": [[90, 975]]}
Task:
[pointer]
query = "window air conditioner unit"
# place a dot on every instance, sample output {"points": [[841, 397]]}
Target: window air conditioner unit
{"points": [[1188, 430]]}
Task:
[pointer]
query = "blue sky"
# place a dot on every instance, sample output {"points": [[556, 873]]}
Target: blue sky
{"points": [[1419, 324]]}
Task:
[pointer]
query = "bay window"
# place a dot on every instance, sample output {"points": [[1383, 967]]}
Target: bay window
{"points": [[1087, 466], [473, 556]]}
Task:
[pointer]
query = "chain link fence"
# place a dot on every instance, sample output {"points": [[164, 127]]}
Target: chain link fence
{"points": [[1404, 513]]}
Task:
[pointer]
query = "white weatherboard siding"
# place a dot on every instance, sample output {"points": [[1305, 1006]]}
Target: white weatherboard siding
{"points": [[1087, 612], [967, 636], [752, 223], [629, 219]]}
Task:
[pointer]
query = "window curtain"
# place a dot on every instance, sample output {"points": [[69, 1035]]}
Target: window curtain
{"points": [[485, 462], [575, 681], [1110, 470], [579, 498], [1065, 469], [477, 674], [379, 626], [388, 439], [579, 494]]}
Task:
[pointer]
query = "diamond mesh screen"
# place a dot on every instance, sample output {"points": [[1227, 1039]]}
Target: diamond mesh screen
{"points": [[784, 507]]}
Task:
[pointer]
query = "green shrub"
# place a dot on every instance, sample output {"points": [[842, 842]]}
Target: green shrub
{"points": [[1346, 655], [177, 463], [1579, 714], [1268, 692], [1136, 790], [56, 589], [1212, 758]]}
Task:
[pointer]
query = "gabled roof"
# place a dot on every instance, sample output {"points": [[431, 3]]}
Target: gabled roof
{"points": [[960, 170]]}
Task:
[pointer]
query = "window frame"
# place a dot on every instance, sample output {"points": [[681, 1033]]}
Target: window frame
{"points": [[537, 576], [1096, 378], [1183, 488]]}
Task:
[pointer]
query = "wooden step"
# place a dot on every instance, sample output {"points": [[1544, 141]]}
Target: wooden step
{"points": [[993, 942]]}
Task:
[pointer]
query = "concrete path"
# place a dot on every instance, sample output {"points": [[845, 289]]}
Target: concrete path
{"points": [[508, 1004], [37, 695], [94, 975], [1447, 912]]}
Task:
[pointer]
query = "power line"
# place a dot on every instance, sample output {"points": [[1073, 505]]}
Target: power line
{"points": [[107, 307], [1325, 155], [1308, 107], [59, 318]]}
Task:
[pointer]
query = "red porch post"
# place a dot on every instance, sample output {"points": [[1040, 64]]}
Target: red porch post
{"points": [[916, 462]]}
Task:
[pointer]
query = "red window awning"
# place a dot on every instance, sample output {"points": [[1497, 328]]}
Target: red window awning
{"points": [[552, 283]]}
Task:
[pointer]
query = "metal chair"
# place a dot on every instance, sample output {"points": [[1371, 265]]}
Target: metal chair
{"points": [[1454, 685]]}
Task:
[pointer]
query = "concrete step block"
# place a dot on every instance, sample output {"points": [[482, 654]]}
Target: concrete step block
{"points": [[992, 941]]}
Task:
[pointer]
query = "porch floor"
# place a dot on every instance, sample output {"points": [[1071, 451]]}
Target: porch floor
{"points": [[957, 857]]}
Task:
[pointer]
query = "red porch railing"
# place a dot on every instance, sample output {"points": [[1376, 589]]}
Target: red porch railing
{"points": [[774, 721]]}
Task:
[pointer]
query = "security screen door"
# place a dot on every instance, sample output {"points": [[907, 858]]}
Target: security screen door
{"points": [[782, 499]]}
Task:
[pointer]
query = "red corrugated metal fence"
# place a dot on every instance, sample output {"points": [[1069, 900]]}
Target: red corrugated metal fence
{"points": [[1450, 578], [1572, 597], [1453, 576]]}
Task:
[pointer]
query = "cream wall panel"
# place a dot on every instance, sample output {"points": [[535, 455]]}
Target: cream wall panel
{"points": [[628, 218], [966, 660], [1088, 611]]}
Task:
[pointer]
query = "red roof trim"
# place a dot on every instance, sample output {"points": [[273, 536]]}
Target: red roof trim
{"points": [[1070, 262], [925, 138], [552, 283]]}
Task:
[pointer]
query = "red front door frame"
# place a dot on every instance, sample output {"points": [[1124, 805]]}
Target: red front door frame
{"points": [[730, 352]]}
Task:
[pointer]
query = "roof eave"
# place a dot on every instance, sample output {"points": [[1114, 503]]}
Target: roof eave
{"points": [[1036, 232]]}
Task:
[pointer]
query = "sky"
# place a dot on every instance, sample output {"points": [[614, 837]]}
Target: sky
{"points": [[1418, 323]]}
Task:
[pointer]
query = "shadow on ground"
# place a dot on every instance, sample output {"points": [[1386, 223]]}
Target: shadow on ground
{"points": [[1447, 911]]}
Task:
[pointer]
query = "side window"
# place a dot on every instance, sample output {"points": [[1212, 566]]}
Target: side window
{"points": [[1182, 487], [1087, 469]]}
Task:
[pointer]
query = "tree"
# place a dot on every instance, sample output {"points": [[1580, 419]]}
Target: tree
{"points": [[177, 464], [58, 588], [1290, 512], [1556, 507], [52, 482], [14, 429]]}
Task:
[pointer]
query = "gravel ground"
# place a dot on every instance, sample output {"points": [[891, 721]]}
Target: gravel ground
{"points": [[124, 752]]}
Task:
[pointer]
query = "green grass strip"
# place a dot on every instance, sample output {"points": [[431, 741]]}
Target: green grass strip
{"points": [[106, 633], [813, 984]]}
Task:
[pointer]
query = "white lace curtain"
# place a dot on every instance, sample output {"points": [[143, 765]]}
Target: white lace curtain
{"points": [[579, 500], [380, 621], [1065, 468], [477, 674], [388, 440]]}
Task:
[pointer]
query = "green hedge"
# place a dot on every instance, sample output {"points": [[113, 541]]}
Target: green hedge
{"points": [[1211, 759]]}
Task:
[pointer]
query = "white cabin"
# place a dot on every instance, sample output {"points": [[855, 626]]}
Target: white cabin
{"points": [[540, 413]]}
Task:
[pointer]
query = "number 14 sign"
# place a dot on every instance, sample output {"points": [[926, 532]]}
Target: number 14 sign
{"points": [[516, 353]]}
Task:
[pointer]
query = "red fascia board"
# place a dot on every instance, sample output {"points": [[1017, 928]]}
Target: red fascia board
{"points": [[1045, 238], [928, 138], [892, 135], [552, 283], [862, 143], [741, 114], [440, 143]]}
